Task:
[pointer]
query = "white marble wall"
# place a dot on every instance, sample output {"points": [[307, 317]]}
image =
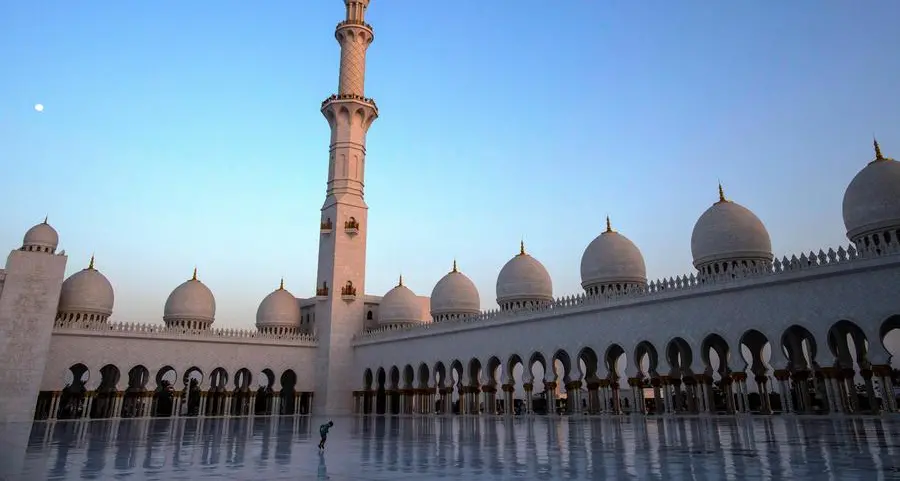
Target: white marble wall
{"points": [[27, 310]]}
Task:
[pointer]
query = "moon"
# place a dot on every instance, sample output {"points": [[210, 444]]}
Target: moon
{"points": [[39, 107]]}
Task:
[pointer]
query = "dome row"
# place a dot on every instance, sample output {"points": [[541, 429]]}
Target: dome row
{"points": [[726, 235]]}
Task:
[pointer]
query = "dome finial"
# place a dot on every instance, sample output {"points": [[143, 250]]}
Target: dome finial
{"points": [[454, 266], [522, 247], [281, 286], [722, 193], [194, 278], [401, 281], [878, 155], [608, 225], [47, 216], [91, 264]]}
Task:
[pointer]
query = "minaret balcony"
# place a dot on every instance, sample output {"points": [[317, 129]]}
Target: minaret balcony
{"points": [[326, 227], [322, 293], [351, 227], [348, 292]]}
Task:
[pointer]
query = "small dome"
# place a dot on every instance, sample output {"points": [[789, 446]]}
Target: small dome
{"points": [[278, 309], [455, 294], [399, 306], [612, 258], [729, 231], [524, 279], [42, 236], [86, 292], [191, 301], [871, 201]]}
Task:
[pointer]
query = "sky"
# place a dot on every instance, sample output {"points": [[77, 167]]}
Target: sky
{"points": [[177, 134]]}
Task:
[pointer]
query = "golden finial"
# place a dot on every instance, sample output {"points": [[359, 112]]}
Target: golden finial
{"points": [[45, 218], [608, 225], [281, 286], [195, 274], [722, 194], [454, 266], [878, 155], [401, 281], [91, 264], [522, 247]]}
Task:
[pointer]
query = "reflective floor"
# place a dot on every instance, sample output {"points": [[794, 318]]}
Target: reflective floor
{"points": [[821, 448]]}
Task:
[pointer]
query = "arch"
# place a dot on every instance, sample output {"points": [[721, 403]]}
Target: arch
{"points": [[193, 379], [889, 325], [367, 379], [474, 372], [369, 315], [566, 362], [591, 362], [395, 378], [288, 404], [680, 357], [106, 395], [267, 378], [456, 367], [218, 380], [424, 376], [513, 361], [648, 350], [844, 349], [793, 341], [138, 376], [611, 359], [440, 374], [243, 379], [409, 376], [242, 394], [493, 366], [72, 401], [718, 344], [537, 358], [164, 395], [756, 342], [380, 391]]}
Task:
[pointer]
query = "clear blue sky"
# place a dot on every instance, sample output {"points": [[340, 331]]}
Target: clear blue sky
{"points": [[180, 133]]}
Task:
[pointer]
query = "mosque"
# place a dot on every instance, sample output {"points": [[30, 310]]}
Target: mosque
{"points": [[746, 332]]}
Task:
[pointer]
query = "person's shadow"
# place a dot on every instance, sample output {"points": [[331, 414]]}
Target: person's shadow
{"points": [[323, 470]]}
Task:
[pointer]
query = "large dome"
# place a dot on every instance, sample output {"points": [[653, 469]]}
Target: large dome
{"points": [[191, 301], [86, 292], [524, 279], [278, 309], [728, 231], [455, 295], [399, 306], [41, 237], [871, 201], [612, 258]]}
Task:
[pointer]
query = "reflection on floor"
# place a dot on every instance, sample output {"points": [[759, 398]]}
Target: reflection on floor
{"points": [[457, 447]]}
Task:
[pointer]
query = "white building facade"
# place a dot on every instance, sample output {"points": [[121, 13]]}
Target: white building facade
{"points": [[746, 332]]}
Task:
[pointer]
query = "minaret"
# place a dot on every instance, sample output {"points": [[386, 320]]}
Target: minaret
{"points": [[342, 249]]}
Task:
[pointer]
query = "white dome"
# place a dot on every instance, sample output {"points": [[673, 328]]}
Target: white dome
{"points": [[41, 235], [278, 309], [86, 292], [729, 231], [455, 294], [399, 306], [871, 201], [191, 301], [524, 278], [612, 258]]}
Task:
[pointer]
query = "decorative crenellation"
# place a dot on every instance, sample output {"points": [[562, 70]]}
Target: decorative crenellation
{"points": [[361, 98], [322, 291], [351, 224], [685, 284], [161, 330], [326, 225]]}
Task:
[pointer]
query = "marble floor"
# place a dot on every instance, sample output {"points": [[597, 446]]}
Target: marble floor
{"points": [[483, 448]]}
